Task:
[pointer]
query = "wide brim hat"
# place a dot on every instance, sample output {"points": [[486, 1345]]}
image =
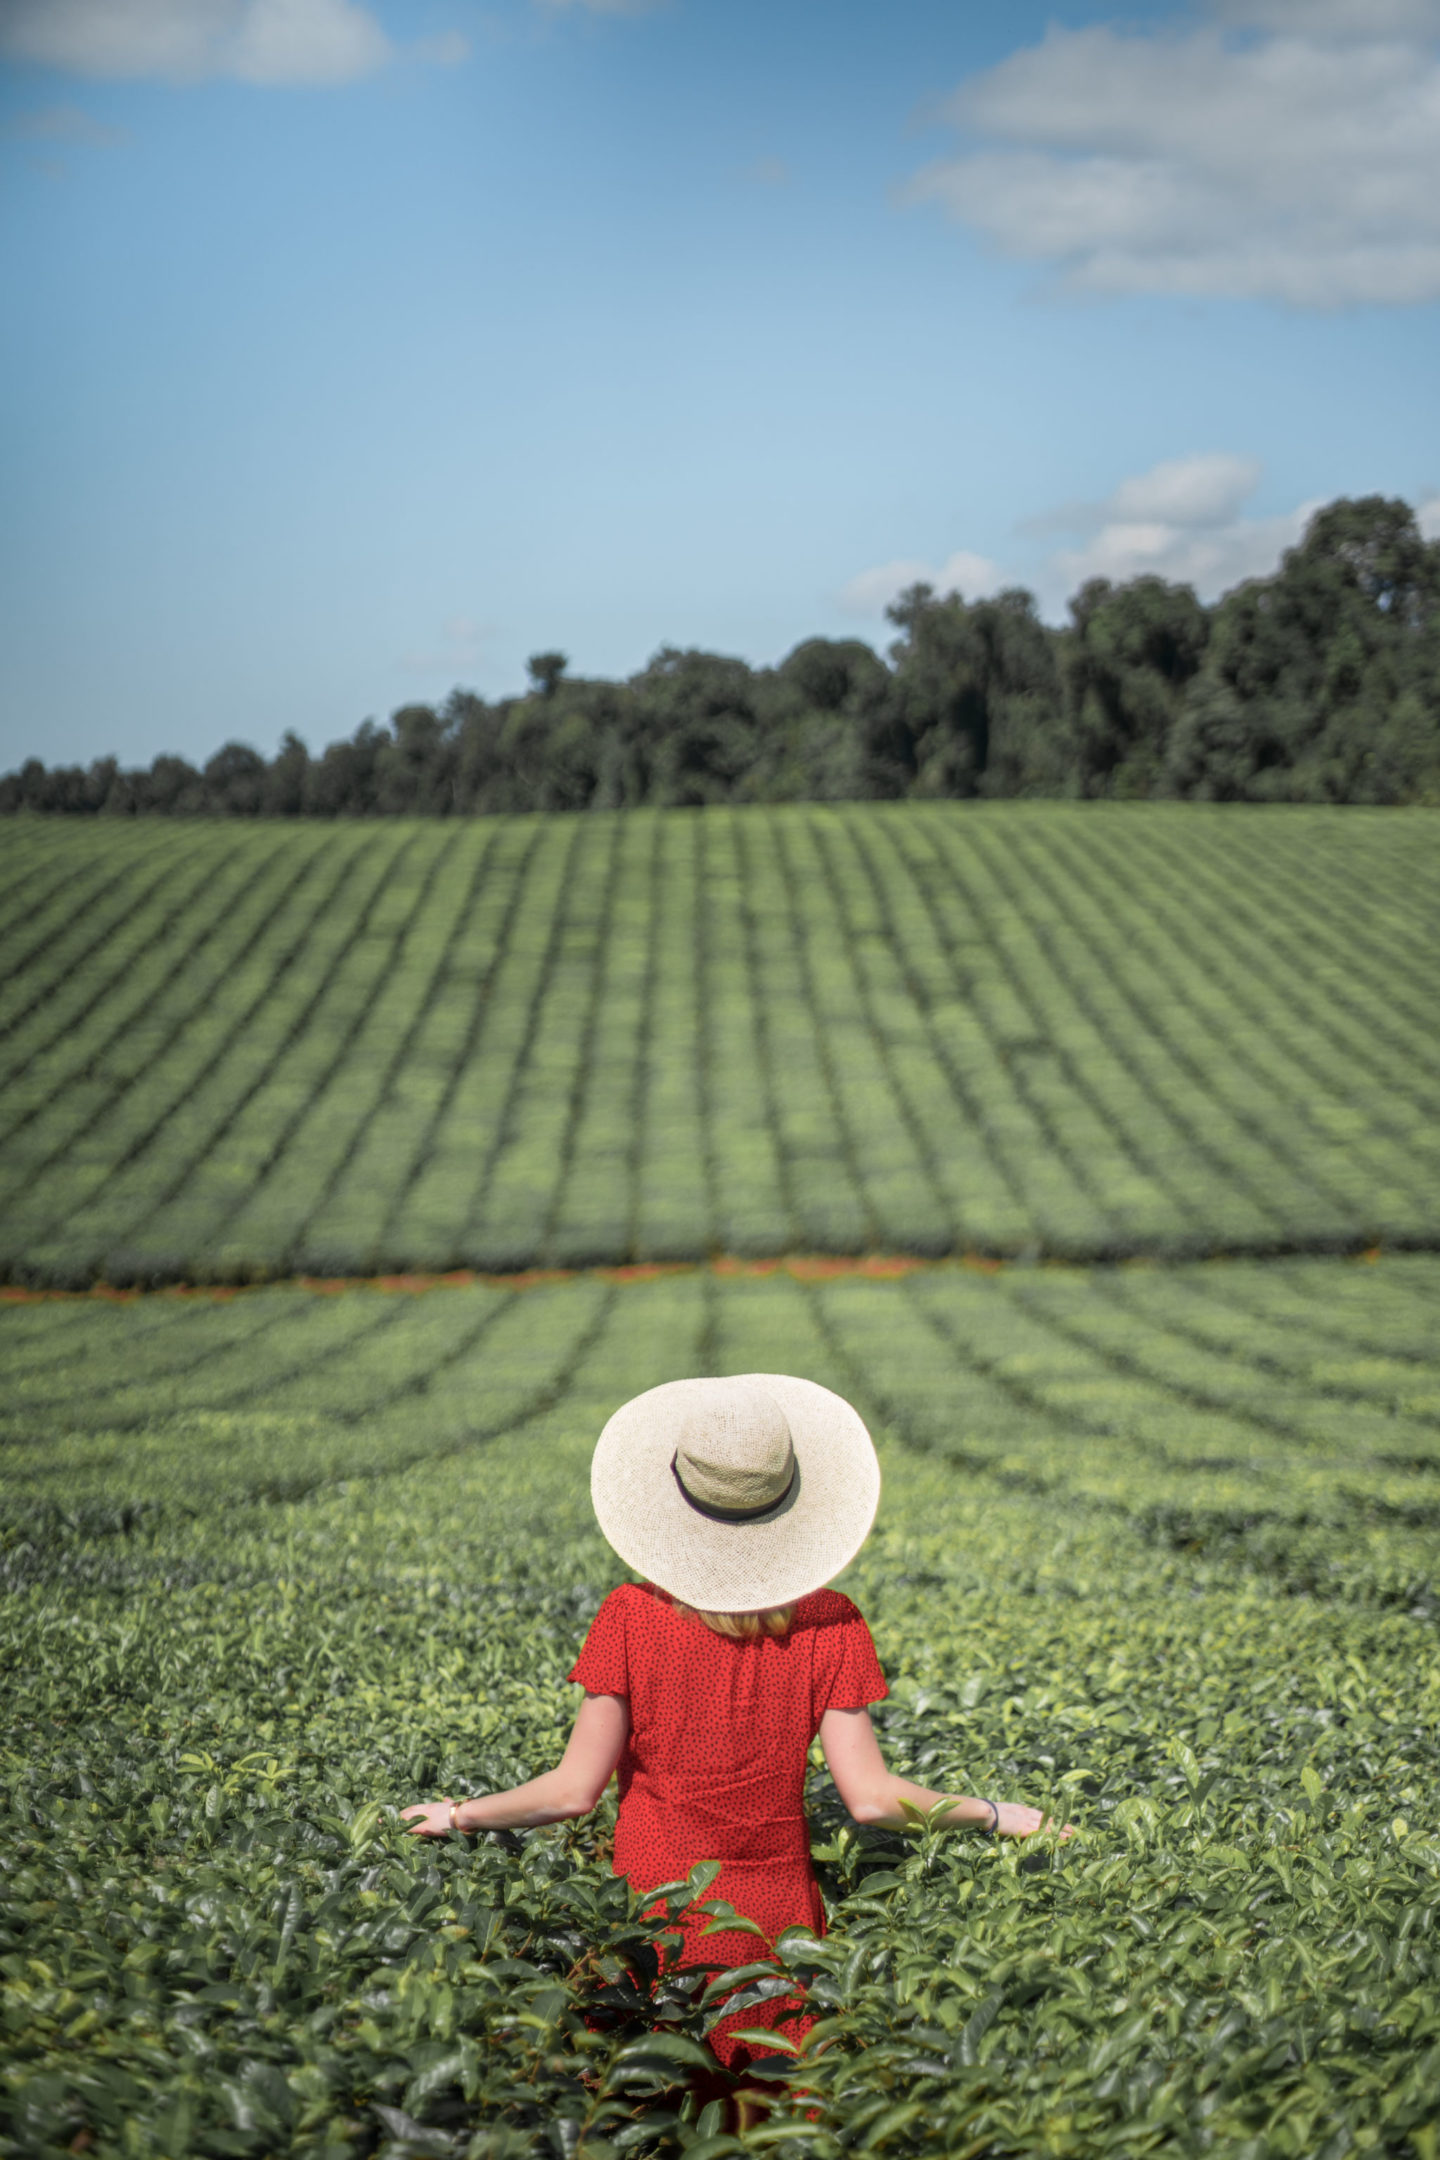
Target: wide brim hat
{"points": [[736, 1495]]}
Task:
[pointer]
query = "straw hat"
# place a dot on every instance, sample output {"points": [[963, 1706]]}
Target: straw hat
{"points": [[736, 1495]]}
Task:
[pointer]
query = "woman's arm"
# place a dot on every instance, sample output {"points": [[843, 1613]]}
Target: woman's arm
{"points": [[873, 1793], [571, 1788]]}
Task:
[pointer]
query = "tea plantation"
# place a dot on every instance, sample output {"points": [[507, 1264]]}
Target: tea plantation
{"points": [[235, 1051], [1158, 1543], [1091, 1150]]}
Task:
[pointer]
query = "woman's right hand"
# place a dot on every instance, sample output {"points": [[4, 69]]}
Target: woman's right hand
{"points": [[1013, 1820]]}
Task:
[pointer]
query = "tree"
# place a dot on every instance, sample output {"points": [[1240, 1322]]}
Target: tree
{"points": [[691, 728], [341, 783], [811, 716], [1321, 658], [1376, 548], [415, 765], [235, 781], [966, 675], [1129, 656], [833, 675], [545, 670], [172, 785], [286, 783]]}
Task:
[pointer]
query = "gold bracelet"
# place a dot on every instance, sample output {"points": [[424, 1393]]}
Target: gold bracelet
{"points": [[454, 1804]]}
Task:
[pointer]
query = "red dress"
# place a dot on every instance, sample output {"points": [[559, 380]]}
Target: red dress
{"points": [[714, 1768]]}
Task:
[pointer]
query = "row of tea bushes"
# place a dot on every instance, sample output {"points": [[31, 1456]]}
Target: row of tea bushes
{"points": [[1248, 1406]]}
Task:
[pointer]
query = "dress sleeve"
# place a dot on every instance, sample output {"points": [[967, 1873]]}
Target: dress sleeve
{"points": [[850, 1675], [603, 1666]]}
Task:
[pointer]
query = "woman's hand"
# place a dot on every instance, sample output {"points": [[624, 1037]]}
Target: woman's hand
{"points": [[1013, 1820], [570, 1789], [877, 1795], [431, 1818]]}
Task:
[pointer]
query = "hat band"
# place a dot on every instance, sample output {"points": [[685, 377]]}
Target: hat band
{"points": [[733, 1514]]}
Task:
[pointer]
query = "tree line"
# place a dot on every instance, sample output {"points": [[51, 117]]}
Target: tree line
{"points": [[1320, 683]]}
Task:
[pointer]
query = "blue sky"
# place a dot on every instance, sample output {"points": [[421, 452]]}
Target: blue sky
{"points": [[356, 351]]}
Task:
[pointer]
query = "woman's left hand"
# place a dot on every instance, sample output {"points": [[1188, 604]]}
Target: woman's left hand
{"points": [[430, 1818]]}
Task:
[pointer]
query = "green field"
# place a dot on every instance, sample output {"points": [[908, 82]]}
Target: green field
{"points": [[238, 1051], [1162, 1484]]}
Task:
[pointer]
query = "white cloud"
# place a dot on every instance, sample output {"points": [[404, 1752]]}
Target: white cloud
{"points": [[256, 41], [1205, 489], [1290, 151], [1363, 19], [1181, 520], [1212, 558], [307, 41], [872, 591]]}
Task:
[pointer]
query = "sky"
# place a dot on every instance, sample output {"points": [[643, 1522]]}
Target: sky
{"points": [[353, 350]]}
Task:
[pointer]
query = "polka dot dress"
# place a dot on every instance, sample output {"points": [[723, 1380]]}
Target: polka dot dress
{"points": [[714, 1768]]}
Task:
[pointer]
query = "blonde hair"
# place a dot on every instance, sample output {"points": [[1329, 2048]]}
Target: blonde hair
{"points": [[742, 1626]]}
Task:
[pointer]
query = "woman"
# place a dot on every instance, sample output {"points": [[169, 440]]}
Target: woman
{"points": [[736, 1500]]}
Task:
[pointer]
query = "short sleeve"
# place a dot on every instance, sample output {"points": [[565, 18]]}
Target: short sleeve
{"points": [[848, 1674], [603, 1666]]}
